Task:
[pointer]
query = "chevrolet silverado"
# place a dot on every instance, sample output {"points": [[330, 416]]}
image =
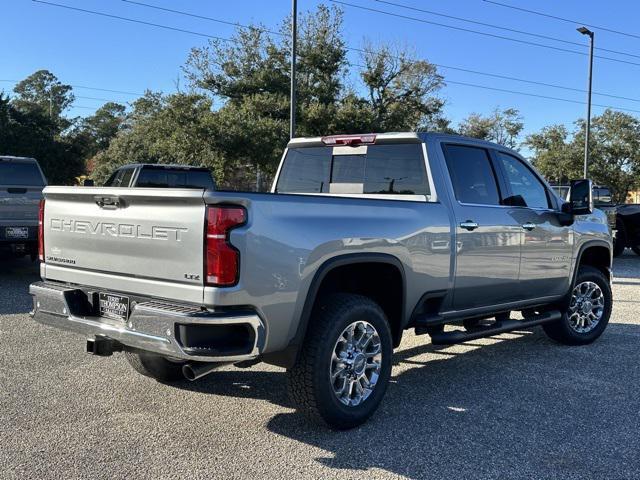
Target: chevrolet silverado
{"points": [[360, 238]]}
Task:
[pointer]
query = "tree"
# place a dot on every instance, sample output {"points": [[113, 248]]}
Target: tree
{"points": [[400, 90], [501, 126], [42, 92], [175, 128], [556, 154], [249, 80], [28, 133], [103, 125], [614, 158]]}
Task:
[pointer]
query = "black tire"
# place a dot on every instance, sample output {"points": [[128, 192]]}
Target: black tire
{"points": [[620, 242], [155, 366], [309, 381], [562, 331], [636, 249]]}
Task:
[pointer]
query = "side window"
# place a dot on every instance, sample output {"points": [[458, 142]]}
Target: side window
{"points": [[524, 182], [125, 180], [472, 174], [114, 179]]}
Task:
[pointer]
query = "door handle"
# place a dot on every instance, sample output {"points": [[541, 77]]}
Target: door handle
{"points": [[529, 226], [469, 225]]}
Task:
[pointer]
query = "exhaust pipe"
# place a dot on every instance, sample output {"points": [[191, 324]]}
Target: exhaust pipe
{"points": [[195, 370]]}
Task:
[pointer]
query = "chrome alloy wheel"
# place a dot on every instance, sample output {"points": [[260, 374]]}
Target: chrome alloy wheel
{"points": [[586, 307], [356, 361]]}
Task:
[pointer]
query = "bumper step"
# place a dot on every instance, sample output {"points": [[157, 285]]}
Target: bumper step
{"points": [[461, 336]]}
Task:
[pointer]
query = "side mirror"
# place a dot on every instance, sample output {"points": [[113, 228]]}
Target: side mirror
{"points": [[580, 197]]}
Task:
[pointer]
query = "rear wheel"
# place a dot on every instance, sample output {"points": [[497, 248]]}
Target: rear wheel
{"points": [[588, 312], [343, 369], [156, 366]]}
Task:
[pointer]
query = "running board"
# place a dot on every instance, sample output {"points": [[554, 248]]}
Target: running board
{"points": [[460, 336]]}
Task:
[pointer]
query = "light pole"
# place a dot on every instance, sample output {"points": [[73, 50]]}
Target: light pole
{"points": [[587, 133], [294, 34]]}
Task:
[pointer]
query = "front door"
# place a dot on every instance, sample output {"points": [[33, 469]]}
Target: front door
{"points": [[488, 237], [547, 246]]}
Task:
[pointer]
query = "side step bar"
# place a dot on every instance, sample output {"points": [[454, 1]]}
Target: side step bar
{"points": [[460, 336]]}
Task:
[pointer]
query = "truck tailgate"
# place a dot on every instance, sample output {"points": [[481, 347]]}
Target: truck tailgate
{"points": [[19, 205], [126, 239]]}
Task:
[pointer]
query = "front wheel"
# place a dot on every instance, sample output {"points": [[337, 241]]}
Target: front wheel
{"points": [[343, 369], [588, 312]]}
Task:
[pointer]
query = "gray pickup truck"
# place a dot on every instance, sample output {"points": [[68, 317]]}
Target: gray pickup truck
{"points": [[360, 238], [21, 184]]}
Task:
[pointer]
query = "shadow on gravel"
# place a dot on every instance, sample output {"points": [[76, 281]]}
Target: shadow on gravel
{"points": [[15, 277], [520, 407]]}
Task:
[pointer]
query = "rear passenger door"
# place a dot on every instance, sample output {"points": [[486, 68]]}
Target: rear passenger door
{"points": [[487, 236], [547, 246]]}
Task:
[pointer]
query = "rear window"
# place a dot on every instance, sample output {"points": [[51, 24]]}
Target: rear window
{"points": [[162, 178], [19, 173], [381, 169]]}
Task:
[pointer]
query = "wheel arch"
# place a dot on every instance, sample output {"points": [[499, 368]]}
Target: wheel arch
{"points": [[596, 253], [329, 271]]}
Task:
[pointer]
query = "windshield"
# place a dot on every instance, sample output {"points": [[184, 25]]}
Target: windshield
{"points": [[19, 173]]}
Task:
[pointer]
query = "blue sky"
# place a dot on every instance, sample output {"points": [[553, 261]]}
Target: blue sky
{"points": [[83, 49]]}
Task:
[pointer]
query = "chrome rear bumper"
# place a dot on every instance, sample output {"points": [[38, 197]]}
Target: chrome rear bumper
{"points": [[151, 326]]}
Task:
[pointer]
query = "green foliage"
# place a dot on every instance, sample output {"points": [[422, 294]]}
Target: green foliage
{"points": [[164, 129], [501, 126], [249, 80], [43, 94], [99, 129], [614, 152], [28, 133]]}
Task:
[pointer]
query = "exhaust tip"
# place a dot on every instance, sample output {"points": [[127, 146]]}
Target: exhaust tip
{"points": [[188, 372]]}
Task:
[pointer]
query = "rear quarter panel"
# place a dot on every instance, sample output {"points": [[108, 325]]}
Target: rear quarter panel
{"points": [[288, 237]]}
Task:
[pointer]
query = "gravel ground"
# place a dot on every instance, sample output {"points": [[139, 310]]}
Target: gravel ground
{"points": [[515, 406]]}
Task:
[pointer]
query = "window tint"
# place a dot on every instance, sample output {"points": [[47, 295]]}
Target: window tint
{"points": [[472, 175], [115, 179], [18, 173], [396, 169], [348, 169], [384, 169], [165, 178], [305, 170], [125, 180], [152, 178], [200, 179], [524, 182]]}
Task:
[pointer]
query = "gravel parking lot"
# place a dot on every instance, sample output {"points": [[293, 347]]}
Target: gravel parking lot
{"points": [[513, 406]]}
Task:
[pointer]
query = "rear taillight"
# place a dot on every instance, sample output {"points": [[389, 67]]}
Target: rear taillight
{"points": [[222, 260], [41, 231]]}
